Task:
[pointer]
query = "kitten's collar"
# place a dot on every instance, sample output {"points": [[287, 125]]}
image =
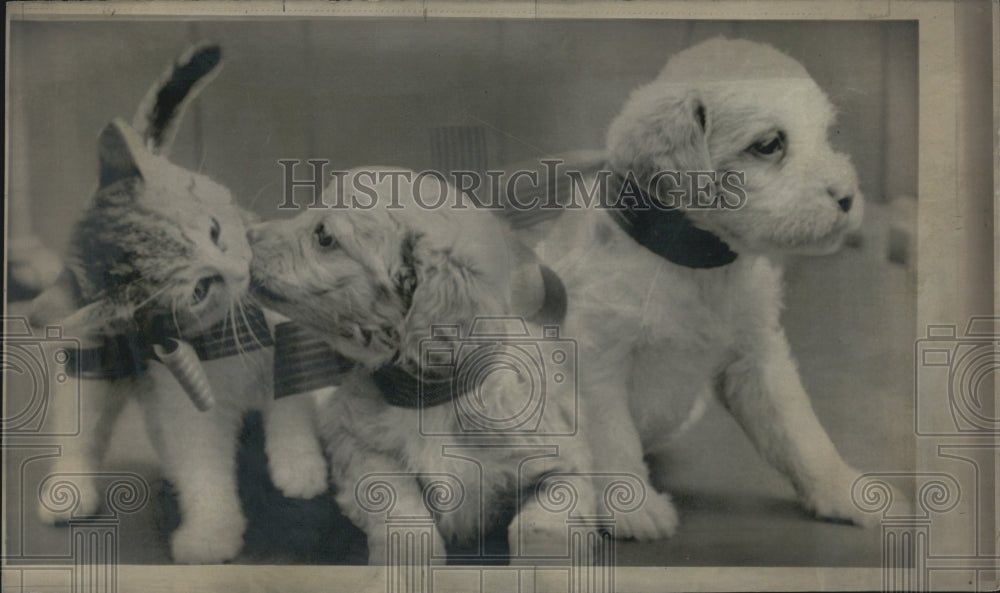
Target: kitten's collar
{"points": [[127, 354], [670, 234], [304, 361]]}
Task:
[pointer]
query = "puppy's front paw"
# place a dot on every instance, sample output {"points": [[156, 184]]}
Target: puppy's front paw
{"points": [[207, 542], [298, 469], [655, 519], [536, 534], [830, 499]]}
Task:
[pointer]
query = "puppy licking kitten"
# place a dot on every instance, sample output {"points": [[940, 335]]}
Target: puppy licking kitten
{"points": [[373, 283]]}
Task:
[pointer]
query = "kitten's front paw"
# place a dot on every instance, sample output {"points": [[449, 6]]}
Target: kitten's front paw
{"points": [[655, 519], [298, 471], [209, 542], [69, 497]]}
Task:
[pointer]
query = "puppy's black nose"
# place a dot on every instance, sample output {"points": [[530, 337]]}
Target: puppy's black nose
{"points": [[844, 198]]}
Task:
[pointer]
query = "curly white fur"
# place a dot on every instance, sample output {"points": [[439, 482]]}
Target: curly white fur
{"points": [[658, 339]]}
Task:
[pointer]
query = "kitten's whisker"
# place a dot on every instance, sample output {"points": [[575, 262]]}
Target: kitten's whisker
{"points": [[201, 161], [173, 316], [233, 310], [150, 298], [259, 193], [253, 334], [254, 363]]}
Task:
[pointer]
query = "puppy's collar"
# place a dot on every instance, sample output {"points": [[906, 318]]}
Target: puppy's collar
{"points": [[128, 354], [304, 361], [670, 234], [401, 388]]}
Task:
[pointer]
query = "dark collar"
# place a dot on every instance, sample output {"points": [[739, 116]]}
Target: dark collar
{"points": [[304, 361], [668, 232], [127, 354]]}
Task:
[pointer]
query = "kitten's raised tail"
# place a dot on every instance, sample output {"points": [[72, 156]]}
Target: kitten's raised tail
{"points": [[161, 109]]}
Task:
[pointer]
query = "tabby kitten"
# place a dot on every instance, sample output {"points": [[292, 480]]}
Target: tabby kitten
{"points": [[163, 251]]}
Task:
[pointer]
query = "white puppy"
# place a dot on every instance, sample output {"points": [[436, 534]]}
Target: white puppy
{"points": [[373, 283], [661, 333]]}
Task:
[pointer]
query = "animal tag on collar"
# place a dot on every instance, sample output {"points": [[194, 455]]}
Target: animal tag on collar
{"points": [[183, 363]]}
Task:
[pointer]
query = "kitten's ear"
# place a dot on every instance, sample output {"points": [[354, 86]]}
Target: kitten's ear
{"points": [[122, 153]]}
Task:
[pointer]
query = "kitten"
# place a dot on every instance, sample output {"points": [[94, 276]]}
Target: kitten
{"points": [[161, 253]]}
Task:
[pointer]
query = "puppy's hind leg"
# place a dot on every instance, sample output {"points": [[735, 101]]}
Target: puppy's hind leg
{"points": [[763, 391]]}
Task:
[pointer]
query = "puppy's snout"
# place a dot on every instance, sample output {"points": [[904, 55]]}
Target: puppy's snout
{"points": [[844, 199], [845, 203]]}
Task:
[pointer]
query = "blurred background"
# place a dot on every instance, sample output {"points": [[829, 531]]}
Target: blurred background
{"points": [[486, 93]]}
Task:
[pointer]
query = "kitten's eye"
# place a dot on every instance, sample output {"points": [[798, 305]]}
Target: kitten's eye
{"points": [[323, 238], [202, 288], [770, 147], [214, 232]]}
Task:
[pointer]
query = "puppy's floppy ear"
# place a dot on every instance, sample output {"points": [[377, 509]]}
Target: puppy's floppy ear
{"points": [[447, 283], [404, 278], [663, 127]]}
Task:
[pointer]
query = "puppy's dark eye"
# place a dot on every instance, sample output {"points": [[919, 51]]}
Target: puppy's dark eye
{"points": [[323, 238], [215, 230], [769, 147]]}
